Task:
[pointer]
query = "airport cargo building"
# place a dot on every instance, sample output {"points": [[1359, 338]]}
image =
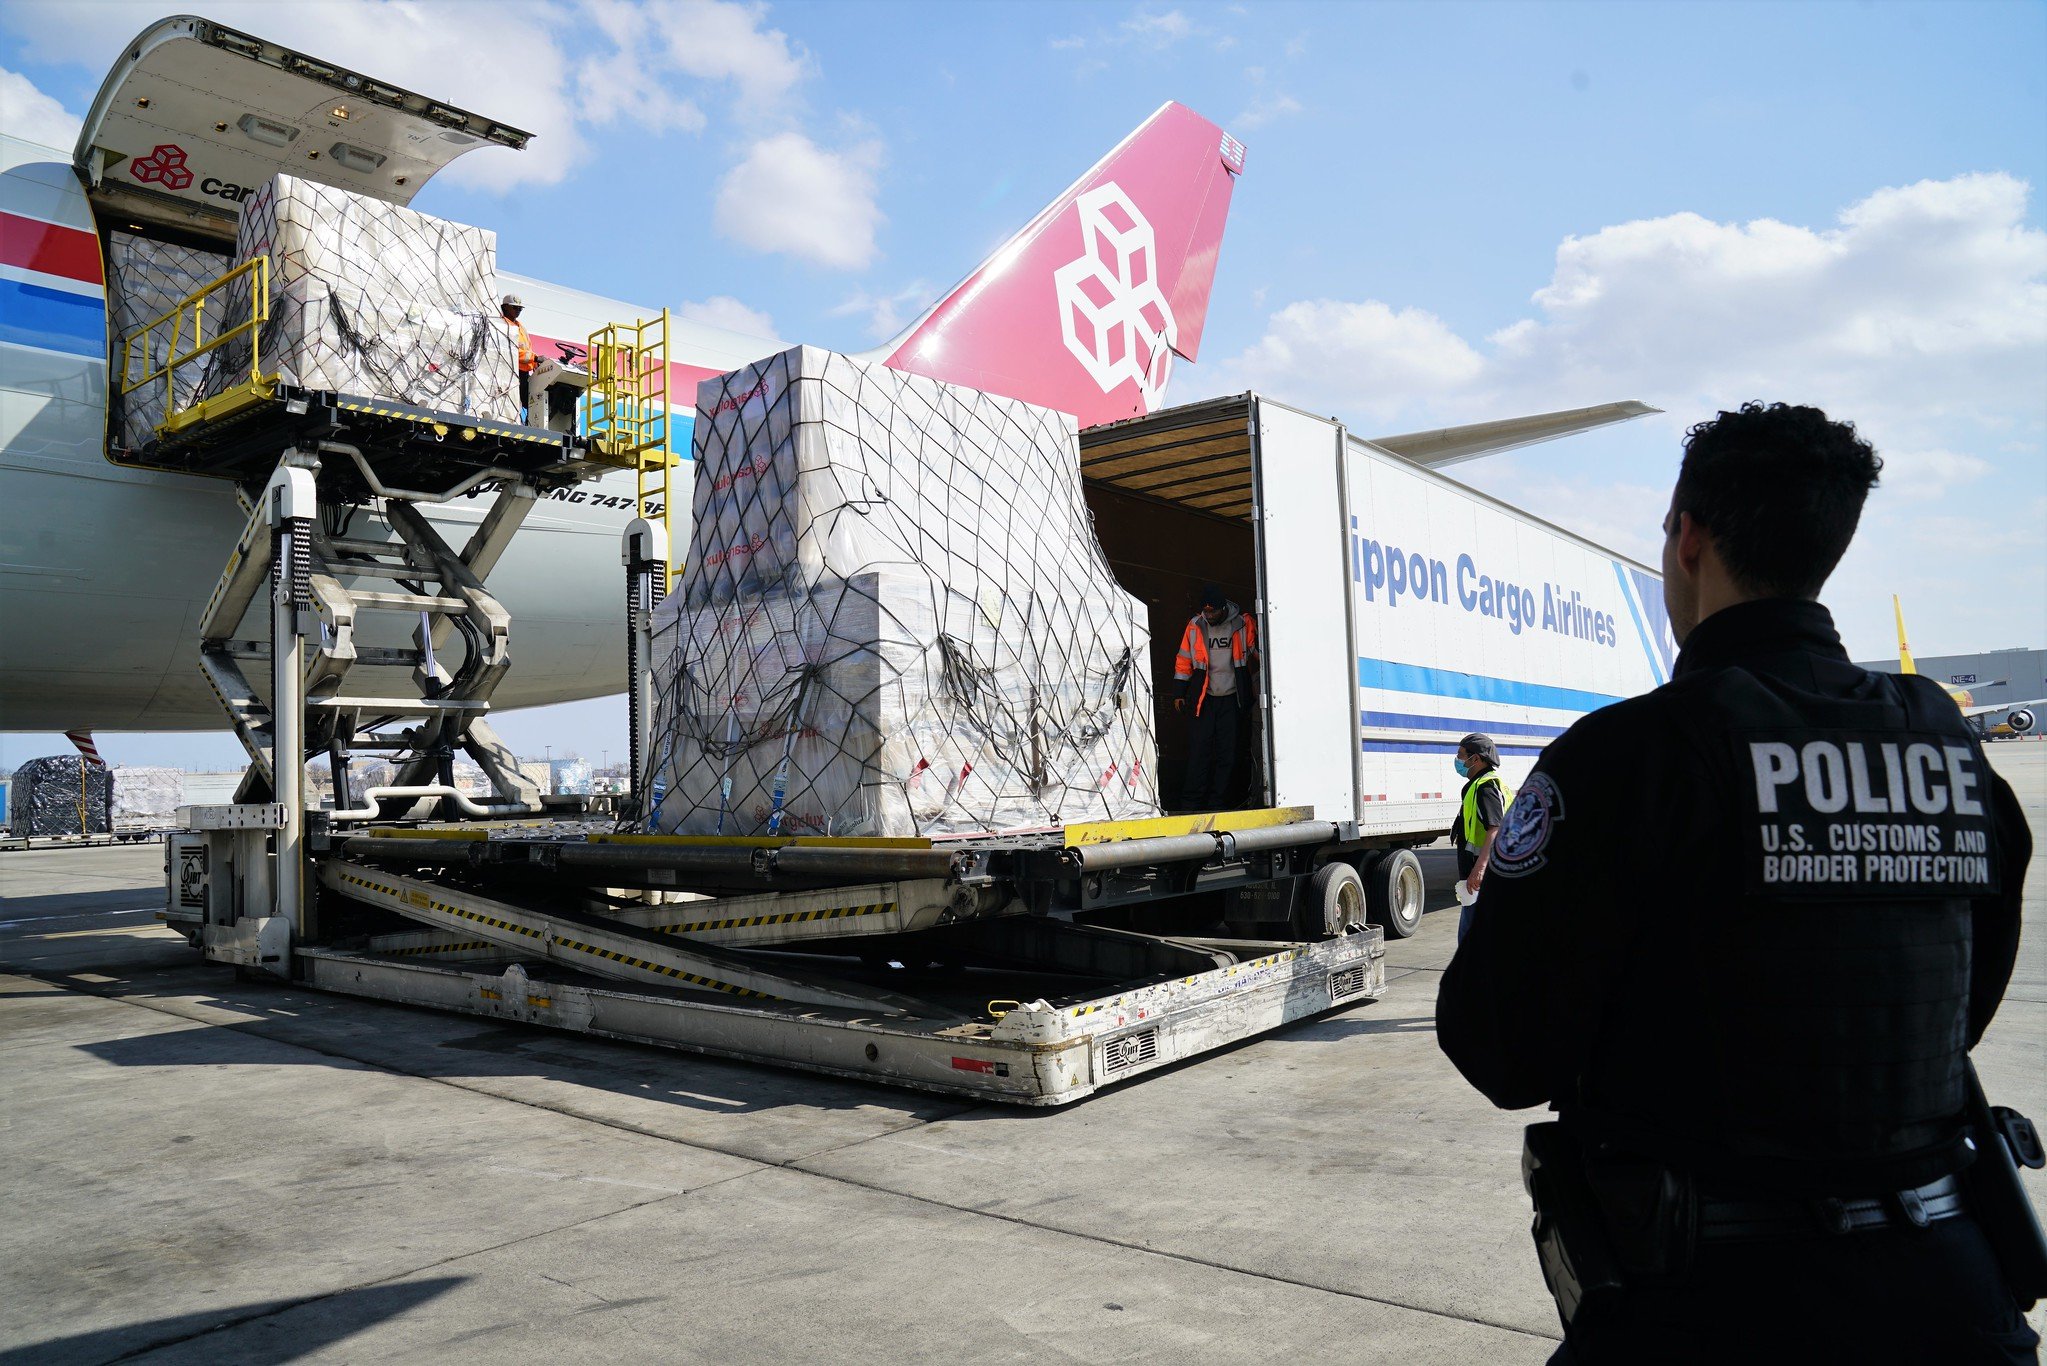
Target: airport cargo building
{"points": [[1991, 676]]}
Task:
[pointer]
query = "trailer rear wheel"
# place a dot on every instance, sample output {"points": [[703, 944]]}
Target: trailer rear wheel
{"points": [[1333, 904], [1395, 892]]}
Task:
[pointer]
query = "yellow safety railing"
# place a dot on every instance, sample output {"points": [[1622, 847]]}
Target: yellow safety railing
{"points": [[187, 341], [627, 417]]}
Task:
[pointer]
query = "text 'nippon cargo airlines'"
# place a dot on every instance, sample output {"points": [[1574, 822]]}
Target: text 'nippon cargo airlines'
{"points": [[106, 565]]}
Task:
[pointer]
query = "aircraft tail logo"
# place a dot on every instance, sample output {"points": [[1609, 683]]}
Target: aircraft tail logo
{"points": [[1905, 664], [1087, 307], [1114, 318]]}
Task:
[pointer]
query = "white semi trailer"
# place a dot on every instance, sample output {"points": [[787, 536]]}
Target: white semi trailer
{"points": [[1400, 609]]}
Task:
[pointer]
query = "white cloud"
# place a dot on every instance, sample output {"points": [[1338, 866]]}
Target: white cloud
{"points": [[619, 84], [722, 310], [29, 114], [1920, 314], [1264, 109], [1158, 28], [719, 41], [1372, 357], [792, 196], [887, 314], [1924, 302], [1915, 473]]}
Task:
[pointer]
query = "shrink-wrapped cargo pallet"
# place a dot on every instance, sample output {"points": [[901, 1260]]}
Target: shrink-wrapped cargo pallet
{"points": [[147, 798], [146, 279], [62, 795], [895, 618], [371, 299]]}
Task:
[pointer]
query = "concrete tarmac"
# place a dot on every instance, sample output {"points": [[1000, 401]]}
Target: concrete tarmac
{"points": [[200, 1169]]}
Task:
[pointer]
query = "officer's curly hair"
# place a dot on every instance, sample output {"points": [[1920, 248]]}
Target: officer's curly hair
{"points": [[1780, 489]]}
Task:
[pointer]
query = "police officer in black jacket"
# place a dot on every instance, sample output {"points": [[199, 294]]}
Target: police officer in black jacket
{"points": [[1740, 934]]}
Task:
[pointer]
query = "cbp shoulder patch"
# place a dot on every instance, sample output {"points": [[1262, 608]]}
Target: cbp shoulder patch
{"points": [[1524, 835]]}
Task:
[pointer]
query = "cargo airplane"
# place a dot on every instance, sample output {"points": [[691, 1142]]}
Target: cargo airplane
{"points": [[1991, 720], [106, 564]]}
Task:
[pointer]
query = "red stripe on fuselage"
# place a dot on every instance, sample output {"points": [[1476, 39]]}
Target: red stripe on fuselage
{"points": [[48, 247]]}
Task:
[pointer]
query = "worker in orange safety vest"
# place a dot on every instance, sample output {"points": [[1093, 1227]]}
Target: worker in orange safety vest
{"points": [[510, 309], [1218, 653]]}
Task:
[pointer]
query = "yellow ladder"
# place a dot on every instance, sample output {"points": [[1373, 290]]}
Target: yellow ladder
{"points": [[628, 415], [152, 352]]}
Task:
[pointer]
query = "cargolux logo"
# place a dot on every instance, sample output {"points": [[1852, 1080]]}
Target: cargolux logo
{"points": [[734, 402], [165, 166], [1114, 317]]}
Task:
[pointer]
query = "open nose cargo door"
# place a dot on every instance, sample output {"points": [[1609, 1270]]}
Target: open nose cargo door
{"points": [[194, 115]]}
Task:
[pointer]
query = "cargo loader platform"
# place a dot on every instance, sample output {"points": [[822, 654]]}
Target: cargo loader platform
{"points": [[957, 966], [1031, 966], [1047, 1051], [414, 447]]}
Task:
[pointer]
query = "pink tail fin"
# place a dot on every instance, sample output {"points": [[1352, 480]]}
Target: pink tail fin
{"points": [[1085, 309]]}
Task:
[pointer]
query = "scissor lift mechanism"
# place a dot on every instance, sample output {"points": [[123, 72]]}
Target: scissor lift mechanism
{"points": [[868, 958]]}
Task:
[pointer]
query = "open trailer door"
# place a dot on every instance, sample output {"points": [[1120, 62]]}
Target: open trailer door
{"points": [[195, 115], [1302, 521]]}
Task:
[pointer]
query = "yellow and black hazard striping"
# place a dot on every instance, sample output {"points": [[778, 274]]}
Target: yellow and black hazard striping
{"points": [[784, 918], [662, 968], [503, 430], [357, 405], [465, 947], [421, 901]]}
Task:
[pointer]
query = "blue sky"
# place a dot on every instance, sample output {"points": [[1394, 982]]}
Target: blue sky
{"points": [[1451, 212]]}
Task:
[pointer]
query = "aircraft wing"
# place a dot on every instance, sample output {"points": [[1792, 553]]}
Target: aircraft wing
{"points": [[1448, 445], [2020, 716]]}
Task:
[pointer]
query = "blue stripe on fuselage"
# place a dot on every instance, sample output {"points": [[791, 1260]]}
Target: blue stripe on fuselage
{"points": [[52, 320]]}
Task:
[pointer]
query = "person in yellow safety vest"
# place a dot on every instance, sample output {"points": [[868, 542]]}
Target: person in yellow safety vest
{"points": [[510, 309], [1483, 805], [1218, 652]]}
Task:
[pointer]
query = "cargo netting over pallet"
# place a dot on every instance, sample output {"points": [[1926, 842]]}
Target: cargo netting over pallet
{"points": [[895, 618], [147, 798], [371, 299], [145, 280]]}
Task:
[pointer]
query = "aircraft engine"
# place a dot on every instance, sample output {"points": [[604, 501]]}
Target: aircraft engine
{"points": [[2021, 720]]}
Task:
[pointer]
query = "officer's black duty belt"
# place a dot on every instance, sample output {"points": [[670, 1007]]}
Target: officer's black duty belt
{"points": [[1756, 1220]]}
